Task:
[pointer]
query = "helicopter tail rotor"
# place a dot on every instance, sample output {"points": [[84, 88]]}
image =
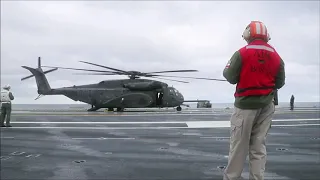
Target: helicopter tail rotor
{"points": [[39, 69], [41, 80]]}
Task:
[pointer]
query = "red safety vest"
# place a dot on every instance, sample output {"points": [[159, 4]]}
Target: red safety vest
{"points": [[260, 65]]}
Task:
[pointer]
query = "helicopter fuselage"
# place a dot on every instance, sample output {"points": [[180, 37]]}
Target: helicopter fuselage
{"points": [[126, 93]]}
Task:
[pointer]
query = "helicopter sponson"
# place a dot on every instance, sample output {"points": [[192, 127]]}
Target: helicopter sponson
{"points": [[144, 86]]}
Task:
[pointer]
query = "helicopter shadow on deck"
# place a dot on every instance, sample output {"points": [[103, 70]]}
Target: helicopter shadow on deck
{"points": [[134, 92]]}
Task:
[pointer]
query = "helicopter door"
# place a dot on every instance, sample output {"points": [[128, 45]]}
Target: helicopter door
{"points": [[159, 98]]}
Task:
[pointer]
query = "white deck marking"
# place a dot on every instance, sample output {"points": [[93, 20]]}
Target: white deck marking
{"points": [[193, 126], [212, 137], [3, 158], [100, 122], [192, 123], [100, 138], [206, 124], [282, 120], [284, 125], [97, 128], [7, 137], [185, 113], [17, 153], [121, 115]]}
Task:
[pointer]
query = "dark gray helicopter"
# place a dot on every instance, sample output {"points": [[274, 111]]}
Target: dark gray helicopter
{"points": [[121, 93]]}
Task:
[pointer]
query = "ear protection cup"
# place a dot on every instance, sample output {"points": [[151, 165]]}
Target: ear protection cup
{"points": [[246, 34], [268, 37]]}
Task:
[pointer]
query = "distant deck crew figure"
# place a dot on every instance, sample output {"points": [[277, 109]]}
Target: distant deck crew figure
{"points": [[6, 98], [292, 102], [258, 71]]}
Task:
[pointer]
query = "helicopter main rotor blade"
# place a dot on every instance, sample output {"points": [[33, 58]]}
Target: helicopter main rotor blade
{"points": [[188, 77], [96, 74], [127, 73], [172, 71], [170, 79], [92, 70]]}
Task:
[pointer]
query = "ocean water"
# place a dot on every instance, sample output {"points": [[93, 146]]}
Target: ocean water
{"points": [[19, 107]]}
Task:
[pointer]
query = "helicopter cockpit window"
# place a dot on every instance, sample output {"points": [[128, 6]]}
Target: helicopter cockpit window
{"points": [[177, 92]]}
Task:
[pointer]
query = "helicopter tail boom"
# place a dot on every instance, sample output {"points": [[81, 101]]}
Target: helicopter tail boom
{"points": [[41, 80]]}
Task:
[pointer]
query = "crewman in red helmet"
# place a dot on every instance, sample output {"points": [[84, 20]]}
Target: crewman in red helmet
{"points": [[258, 71]]}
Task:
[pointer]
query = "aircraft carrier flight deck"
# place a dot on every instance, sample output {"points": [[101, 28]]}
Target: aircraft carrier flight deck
{"points": [[191, 144]]}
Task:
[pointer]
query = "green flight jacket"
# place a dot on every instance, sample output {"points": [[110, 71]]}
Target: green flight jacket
{"points": [[232, 73]]}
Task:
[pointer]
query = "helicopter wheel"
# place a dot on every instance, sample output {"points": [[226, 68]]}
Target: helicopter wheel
{"points": [[179, 108], [93, 109]]}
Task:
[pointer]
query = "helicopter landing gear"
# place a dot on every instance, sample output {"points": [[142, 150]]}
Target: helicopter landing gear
{"points": [[179, 108], [93, 108], [120, 109], [110, 109]]}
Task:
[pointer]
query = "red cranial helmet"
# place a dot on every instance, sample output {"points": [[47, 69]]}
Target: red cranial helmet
{"points": [[256, 30]]}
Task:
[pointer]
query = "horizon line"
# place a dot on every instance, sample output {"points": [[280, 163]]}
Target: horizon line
{"points": [[192, 102]]}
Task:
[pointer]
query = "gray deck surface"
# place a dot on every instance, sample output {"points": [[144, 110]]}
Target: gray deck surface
{"points": [[150, 145]]}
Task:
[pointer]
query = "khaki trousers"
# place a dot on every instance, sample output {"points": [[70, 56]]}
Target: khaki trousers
{"points": [[5, 113], [249, 128]]}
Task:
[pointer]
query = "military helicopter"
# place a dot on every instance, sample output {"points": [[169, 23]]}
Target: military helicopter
{"points": [[119, 93]]}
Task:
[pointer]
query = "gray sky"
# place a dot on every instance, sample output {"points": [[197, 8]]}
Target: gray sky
{"points": [[154, 36]]}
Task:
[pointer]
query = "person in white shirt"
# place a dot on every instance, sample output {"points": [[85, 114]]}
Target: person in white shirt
{"points": [[6, 98]]}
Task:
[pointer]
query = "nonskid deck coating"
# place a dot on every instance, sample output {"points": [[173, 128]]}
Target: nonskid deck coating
{"points": [[197, 153]]}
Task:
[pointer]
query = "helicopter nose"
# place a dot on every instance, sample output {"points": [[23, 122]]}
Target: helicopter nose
{"points": [[177, 96], [180, 97]]}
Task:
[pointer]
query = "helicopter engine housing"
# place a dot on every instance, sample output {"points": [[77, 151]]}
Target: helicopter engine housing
{"points": [[143, 86]]}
